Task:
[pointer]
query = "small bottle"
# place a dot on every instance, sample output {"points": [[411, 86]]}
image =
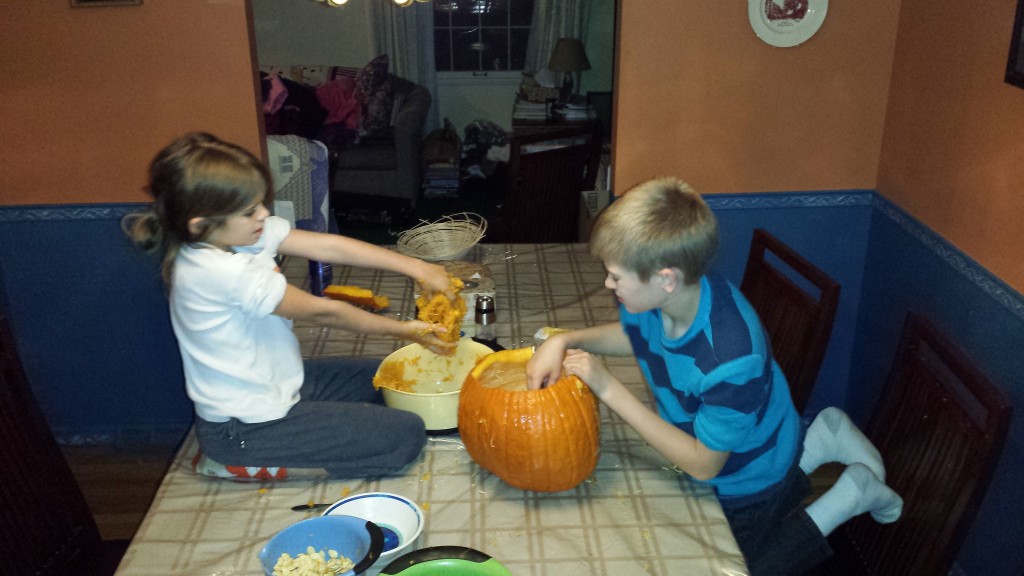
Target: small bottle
{"points": [[484, 318]]}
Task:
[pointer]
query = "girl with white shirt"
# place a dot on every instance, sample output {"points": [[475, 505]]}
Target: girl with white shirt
{"points": [[257, 402]]}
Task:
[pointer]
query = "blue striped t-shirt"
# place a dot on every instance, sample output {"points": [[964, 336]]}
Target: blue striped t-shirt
{"points": [[719, 383]]}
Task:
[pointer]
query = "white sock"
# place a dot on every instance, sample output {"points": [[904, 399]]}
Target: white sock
{"points": [[833, 437], [856, 491]]}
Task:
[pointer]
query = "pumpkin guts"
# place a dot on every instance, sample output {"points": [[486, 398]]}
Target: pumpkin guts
{"points": [[437, 308]]}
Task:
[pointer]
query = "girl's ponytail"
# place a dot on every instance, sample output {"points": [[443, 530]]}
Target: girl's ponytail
{"points": [[144, 229]]}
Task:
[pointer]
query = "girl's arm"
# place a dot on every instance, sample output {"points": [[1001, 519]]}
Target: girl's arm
{"points": [[684, 451], [300, 305], [343, 250], [546, 363]]}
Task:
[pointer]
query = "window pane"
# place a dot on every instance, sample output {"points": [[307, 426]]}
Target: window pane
{"points": [[475, 35], [518, 37], [442, 50], [521, 12], [464, 15], [495, 52], [466, 49], [493, 12]]}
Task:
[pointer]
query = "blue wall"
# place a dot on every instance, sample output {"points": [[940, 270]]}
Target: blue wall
{"points": [[909, 268], [828, 229], [90, 317], [91, 320]]}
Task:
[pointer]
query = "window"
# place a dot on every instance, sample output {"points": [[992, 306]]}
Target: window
{"points": [[481, 35]]}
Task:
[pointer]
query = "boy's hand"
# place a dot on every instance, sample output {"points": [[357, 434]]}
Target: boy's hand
{"points": [[545, 366], [591, 370], [425, 334]]}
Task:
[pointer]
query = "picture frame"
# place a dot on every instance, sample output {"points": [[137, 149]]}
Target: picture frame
{"points": [[91, 3], [1015, 63]]}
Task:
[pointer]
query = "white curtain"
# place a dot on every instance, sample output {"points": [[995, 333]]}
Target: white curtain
{"points": [[554, 19], [406, 35]]}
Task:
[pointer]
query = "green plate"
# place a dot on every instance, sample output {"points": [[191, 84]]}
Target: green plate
{"points": [[447, 560]]}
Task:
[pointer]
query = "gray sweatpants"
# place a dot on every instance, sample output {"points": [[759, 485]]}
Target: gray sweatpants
{"points": [[339, 424]]}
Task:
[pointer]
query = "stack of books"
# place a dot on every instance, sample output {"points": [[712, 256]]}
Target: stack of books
{"points": [[441, 180], [575, 112], [530, 111]]}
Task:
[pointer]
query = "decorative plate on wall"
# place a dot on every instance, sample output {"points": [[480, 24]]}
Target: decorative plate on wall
{"points": [[786, 23]]}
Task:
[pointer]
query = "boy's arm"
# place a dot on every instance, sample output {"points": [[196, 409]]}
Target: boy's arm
{"points": [[684, 451], [546, 363], [338, 249]]}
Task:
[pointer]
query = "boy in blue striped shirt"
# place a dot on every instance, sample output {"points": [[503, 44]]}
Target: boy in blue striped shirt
{"points": [[724, 415]]}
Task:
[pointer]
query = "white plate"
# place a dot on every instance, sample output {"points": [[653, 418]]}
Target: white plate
{"points": [[786, 23]]}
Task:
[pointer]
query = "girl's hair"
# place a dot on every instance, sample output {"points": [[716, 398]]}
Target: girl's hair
{"points": [[195, 176], [660, 223]]}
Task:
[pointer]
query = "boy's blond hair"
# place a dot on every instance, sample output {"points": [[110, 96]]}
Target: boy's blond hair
{"points": [[661, 223]]}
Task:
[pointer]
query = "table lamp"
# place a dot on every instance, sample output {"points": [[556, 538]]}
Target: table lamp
{"points": [[568, 57]]}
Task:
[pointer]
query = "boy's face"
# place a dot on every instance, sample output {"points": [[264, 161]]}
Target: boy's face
{"points": [[635, 294], [241, 229]]}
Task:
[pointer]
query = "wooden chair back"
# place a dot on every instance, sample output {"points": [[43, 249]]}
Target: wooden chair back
{"points": [[46, 527], [797, 309], [548, 169], [940, 426]]}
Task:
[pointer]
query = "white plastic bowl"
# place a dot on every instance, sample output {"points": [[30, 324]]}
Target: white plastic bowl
{"points": [[435, 397], [398, 517]]}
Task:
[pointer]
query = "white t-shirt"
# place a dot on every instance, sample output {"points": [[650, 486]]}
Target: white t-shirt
{"points": [[240, 360]]}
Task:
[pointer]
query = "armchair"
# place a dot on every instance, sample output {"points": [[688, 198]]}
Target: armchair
{"points": [[387, 166]]}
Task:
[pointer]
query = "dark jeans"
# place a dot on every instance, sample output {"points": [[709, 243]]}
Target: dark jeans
{"points": [[339, 424], [775, 534]]}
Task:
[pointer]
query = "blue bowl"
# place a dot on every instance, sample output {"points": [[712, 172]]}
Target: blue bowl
{"points": [[354, 538]]}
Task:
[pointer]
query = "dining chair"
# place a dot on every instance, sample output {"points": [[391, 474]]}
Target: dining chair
{"points": [[46, 527], [940, 426], [797, 304], [548, 169]]}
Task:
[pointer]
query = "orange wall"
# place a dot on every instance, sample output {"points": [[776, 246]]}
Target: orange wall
{"points": [[701, 97], [953, 153], [90, 94]]}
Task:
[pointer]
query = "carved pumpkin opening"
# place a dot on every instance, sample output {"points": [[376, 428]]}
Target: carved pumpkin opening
{"points": [[509, 376]]}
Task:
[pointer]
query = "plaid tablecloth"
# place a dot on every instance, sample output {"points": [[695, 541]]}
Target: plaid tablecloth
{"points": [[635, 515]]}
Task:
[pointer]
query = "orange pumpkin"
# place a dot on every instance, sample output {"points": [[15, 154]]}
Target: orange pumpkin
{"points": [[545, 440]]}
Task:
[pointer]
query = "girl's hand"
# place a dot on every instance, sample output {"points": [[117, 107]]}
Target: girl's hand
{"points": [[591, 370], [435, 278], [425, 334], [545, 366]]}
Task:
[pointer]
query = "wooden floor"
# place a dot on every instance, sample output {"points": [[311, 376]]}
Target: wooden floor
{"points": [[119, 483]]}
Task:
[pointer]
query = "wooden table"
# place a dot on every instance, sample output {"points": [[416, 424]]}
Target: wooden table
{"points": [[634, 516]]}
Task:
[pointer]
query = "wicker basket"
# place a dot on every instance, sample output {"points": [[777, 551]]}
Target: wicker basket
{"points": [[448, 238]]}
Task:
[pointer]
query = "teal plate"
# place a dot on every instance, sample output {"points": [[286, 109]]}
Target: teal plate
{"points": [[448, 560]]}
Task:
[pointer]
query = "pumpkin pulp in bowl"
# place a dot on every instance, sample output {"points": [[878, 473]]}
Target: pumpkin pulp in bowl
{"points": [[415, 379], [545, 440]]}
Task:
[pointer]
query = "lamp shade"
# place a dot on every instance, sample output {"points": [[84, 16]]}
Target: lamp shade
{"points": [[568, 56]]}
